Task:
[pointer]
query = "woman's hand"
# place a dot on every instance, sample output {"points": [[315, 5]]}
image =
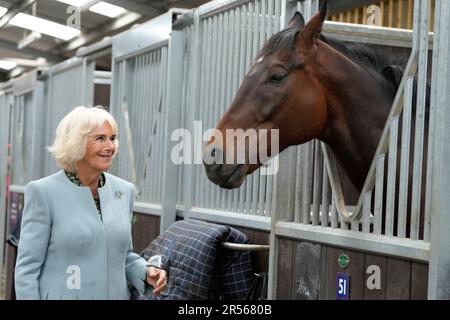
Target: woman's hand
{"points": [[157, 278]]}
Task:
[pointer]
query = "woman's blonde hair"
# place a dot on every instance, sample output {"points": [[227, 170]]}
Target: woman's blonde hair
{"points": [[72, 132]]}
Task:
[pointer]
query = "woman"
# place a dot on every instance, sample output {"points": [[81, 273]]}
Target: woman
{"points": [[75, 240]]}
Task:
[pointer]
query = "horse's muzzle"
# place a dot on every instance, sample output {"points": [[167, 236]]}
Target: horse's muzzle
{"points": [[228, 176]]}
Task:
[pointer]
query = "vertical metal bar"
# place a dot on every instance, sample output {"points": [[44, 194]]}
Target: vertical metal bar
{"points": [[5, 124], [249, 56], [204, 116], [270, 19], [237, 53], [256, 29], [392, 168], [344, 225], [354, 225], [242, 69], [173, 83], [212, 103], [420, 119], [432, 124], [334, 216], [307, 183], [404, 165], [438, 275], [366, 212], [379, 188], [224, 85], [262, 27], [318, 170], [300, 150], [326, 198]]}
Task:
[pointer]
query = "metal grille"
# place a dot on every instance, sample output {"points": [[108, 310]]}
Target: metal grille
{"points": [[228, 40], [140, 112]]}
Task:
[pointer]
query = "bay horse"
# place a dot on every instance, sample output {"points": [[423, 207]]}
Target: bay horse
{"points": [[307, 87]]}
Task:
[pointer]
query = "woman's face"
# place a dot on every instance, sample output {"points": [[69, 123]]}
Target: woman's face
{"points": [[99, 150]]}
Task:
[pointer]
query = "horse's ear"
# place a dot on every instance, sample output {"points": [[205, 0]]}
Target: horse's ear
{"points": [[297, 21], [313, 28]]}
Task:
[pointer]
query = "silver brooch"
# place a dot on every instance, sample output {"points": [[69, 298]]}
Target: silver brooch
{"points": [[118, 194]]}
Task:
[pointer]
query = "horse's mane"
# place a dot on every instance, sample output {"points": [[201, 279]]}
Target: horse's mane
{"points": [[382, 60]]}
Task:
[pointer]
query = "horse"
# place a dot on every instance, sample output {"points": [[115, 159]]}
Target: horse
{"points": [[310, 87]]}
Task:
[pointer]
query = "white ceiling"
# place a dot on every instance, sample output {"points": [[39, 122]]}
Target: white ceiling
{"points": [[94, 27]]}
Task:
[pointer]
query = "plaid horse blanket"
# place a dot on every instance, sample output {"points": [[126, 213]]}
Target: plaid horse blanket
{"points": [[198, 267]]}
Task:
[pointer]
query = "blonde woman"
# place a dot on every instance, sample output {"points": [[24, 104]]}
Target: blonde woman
{"points": [[75, 240]]}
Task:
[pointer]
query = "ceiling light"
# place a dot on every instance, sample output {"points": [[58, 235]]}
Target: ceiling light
{"points": [[76, 3], [107, 9], [47, 27], [3, 11], [7, 65]]}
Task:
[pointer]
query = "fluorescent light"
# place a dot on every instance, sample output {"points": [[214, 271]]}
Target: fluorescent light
{"points": [[47, 27], [107, 9], [76, 3], [2, 11], [7, 65]]}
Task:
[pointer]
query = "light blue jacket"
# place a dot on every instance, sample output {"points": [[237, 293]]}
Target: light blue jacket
{"points": [[67, 252]]}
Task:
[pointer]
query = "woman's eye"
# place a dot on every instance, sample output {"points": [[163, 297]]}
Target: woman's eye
{"points": [[100, 138], [277, 78]]}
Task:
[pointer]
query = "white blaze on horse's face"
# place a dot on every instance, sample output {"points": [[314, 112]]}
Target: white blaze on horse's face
{"points": [[253, 68]]}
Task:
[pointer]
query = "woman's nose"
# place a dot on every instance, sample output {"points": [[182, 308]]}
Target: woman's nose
{"points": [[110, 144]]}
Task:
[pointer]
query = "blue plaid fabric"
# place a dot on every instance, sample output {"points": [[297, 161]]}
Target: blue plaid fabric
{"points": [[198, 267]]}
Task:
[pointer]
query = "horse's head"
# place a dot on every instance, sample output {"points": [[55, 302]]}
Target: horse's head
{"points": [[279, 92]]}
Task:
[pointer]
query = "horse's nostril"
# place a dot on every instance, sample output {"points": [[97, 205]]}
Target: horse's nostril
{"points": [[213, 152]]}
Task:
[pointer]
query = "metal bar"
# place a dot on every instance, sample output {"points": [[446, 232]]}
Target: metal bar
{"points": [[416, 250], [244, 247], [172, 105], [422, 29], [404, 165], [307, 182], [334, 215], [371, 34], [318, 171], [298, 197], [326, 198], [379, 187], [432, 123], [392, 173], [366, 212], [438, 275]]}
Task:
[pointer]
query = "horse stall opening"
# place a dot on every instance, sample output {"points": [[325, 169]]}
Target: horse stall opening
{"points": [[39, 100]]}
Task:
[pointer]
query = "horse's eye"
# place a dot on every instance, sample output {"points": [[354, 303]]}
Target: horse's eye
{"points": [[277, 78]]}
